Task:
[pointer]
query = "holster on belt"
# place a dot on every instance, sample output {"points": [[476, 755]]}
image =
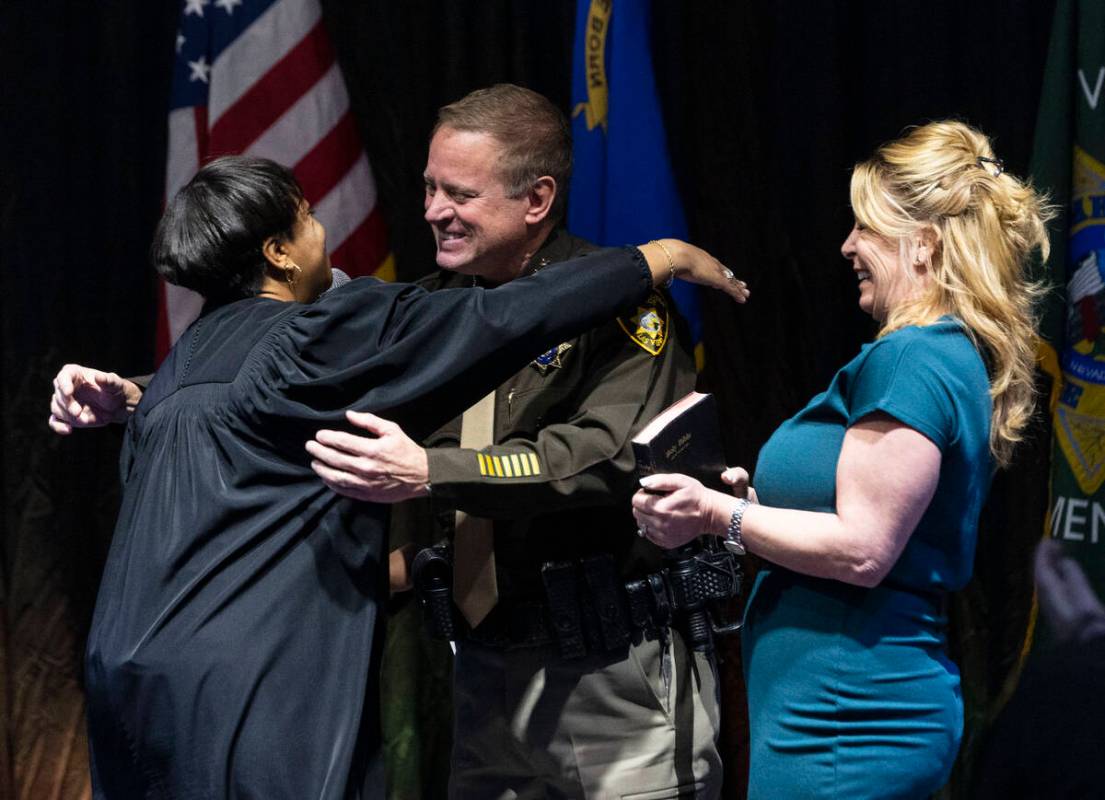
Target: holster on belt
{"points": [[432, 575], [650, 607]]}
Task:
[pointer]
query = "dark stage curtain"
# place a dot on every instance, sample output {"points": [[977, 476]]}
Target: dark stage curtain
{"points": [[767, 106]]}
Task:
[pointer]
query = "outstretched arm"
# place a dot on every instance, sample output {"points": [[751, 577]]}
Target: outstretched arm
{"points": [[88, 398], [420, 358]]}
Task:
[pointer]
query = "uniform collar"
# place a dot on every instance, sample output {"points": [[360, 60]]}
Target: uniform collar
{"points": [[558, 246]]}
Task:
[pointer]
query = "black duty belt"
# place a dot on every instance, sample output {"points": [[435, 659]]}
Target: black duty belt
{"points": [[588, 607]]}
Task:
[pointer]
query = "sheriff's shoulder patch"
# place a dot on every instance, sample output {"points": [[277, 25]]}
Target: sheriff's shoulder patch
{"points": [[649, 326]]}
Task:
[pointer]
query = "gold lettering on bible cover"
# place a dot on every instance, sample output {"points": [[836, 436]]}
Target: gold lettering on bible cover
{"points": [[677, 449]]}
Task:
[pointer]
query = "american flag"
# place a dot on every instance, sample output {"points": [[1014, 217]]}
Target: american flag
{"points": [[260, 77]]}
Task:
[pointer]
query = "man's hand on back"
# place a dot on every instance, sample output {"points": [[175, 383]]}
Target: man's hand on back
{"points": [[387, 467]]}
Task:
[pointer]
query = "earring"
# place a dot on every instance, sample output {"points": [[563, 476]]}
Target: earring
{"points": [[293, 277]]}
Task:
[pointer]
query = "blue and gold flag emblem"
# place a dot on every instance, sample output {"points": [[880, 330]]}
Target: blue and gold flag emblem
{"points": [[552, 358]]}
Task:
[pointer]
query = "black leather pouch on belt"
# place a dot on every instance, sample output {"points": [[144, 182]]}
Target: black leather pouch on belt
{"points": [[607, 594], [562, 587], [587, 602]]}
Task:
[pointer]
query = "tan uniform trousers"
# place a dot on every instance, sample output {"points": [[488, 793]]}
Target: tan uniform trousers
{"points": [[530, 724]]}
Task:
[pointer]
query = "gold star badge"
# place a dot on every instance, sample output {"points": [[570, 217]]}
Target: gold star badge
{"points": [[648, 328]]}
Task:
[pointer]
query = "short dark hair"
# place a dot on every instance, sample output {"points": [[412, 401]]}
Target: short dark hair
{"points": [[535, 135], [211, 235]]}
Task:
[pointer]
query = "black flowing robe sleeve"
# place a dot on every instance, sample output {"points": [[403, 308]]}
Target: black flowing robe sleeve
{"points": [[420, 358]]}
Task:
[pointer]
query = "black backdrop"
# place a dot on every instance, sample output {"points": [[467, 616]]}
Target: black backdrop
{"points": [[766, 104]]}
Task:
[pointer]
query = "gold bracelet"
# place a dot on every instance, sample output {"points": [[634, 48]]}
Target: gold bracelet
{"points": [[671, 262]]}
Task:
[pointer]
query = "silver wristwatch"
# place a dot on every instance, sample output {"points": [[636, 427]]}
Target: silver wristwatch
{"points": [[733, 541]]}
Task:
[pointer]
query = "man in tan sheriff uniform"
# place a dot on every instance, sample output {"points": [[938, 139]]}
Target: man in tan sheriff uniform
{"points": [[558, 691]]}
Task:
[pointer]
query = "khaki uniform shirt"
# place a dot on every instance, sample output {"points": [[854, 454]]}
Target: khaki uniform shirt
{"points": [[559, 478]]}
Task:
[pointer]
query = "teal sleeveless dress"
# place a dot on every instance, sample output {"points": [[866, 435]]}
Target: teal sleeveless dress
{"points": [[850, 692]]}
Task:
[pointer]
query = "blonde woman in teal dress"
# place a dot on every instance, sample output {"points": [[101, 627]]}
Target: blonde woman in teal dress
{"points": [[868, 499]]}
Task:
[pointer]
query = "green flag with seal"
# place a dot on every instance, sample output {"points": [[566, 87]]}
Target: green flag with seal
{"points": [[1068, 161]]}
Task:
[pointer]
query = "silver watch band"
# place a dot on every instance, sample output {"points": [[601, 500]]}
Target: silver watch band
{"points": [[733, 541]]}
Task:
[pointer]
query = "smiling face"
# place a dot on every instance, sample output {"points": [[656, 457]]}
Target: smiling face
{"points": [[478, 229], [884, 276]]}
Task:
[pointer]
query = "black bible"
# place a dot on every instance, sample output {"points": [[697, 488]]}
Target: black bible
{"points": [[685, 437]]}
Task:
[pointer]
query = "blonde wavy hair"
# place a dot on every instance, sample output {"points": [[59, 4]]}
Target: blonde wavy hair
{"points": [[940, 184]]}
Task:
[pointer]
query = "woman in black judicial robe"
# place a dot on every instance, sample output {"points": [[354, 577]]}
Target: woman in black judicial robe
{"points": [[234, 646]]}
